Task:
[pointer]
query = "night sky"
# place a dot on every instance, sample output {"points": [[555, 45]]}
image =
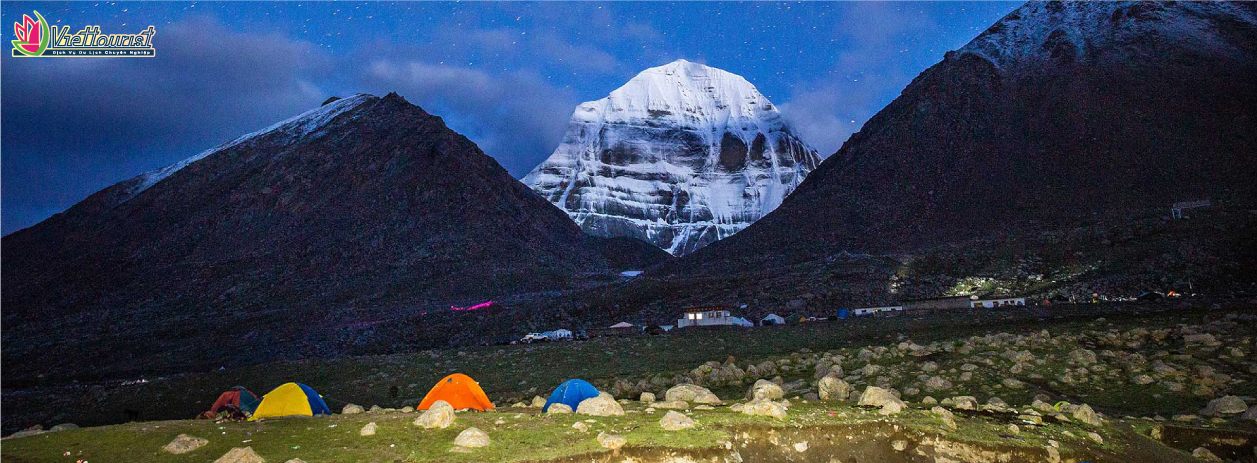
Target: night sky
{"points": [[507, 75]]}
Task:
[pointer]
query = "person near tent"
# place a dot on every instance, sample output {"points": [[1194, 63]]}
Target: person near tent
{"points": [[236, 403], [571, 393], [460, 391]]}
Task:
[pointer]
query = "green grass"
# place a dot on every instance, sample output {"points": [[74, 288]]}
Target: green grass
{"points": [[524, 435]]}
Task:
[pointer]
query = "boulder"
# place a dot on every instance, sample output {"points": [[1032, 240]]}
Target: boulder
{"points": [[763, 389], [1225, 405], [1082, 357], [368, 430], [691, 393], [439, 415], [647, 397], [1085, 414], [937, 383], [603, 405], [833, 388], [675, 421], [964, 402], [240, 455], [538, 401], [559, 408], [763, 408], [64, 427], [611, 441], [472, 438], [1205, 455], [1251, 414], [672, 404], [874, 396], [184, 443]]}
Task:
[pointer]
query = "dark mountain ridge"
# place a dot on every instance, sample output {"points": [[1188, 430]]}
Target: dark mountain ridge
{"points": [[365, 209]]}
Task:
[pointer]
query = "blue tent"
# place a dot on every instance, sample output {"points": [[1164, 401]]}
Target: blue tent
{"points": [[571, 393]]}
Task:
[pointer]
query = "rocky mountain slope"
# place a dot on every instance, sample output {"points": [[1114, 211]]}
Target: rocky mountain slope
{"points": [[359, 211], [1058, 116], [680, 156]]}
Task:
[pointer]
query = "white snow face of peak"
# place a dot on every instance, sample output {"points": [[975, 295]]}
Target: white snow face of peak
{"points": [[293, 128], [684, 95], [1033, 32], [680, 156]]}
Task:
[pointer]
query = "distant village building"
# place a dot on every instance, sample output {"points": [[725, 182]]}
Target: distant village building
{"points": [[876, 310], [558, 334], [938, 303], [993, 302], [705, 316], [772, 319], [1176, 209]]}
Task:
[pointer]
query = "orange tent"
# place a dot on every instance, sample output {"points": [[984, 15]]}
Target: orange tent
{"points": [[460, 391]]}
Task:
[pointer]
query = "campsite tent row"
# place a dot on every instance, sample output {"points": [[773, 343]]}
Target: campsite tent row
{"points": [[459, 390]]}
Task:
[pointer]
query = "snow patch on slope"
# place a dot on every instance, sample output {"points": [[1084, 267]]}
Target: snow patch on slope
{"points": [[1029, 33], [293, 128]]}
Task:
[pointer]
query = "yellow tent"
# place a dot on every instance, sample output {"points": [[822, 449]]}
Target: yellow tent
{"points": [[291, 399]]}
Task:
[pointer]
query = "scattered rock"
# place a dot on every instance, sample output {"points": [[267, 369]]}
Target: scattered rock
{"points": [[937, 383], [647, 397], [538, 401], [1095, 437], [184, 444], [240, 455], [580, 426], [1205, 455], [556, 408], [1085, 414], [611, 441], [800, 446], [691, 393], [833, 388], [874, 396], [765, 390], [1225, 405], [368, 430], [64, 427], [763, 408], [672, 404], [1082, 357], [408, 409], [674, 421], [899, 445], [439, 415], [352, 409], [965, 402], [603, 405], [472, 438]]}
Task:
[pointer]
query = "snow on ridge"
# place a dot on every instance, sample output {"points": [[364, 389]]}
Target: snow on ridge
{"points": [[1022, 36], [294, 127]]}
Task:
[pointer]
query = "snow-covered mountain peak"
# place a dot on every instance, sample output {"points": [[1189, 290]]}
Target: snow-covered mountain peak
{"points": [[687, 94], [680, 156]]}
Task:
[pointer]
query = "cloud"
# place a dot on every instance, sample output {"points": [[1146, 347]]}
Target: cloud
{"points": [[74, 126], [582, 57], [516, 117]]}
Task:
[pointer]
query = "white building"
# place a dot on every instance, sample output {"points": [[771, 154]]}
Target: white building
{"points": [[705, 316], [994, 302], [558, 334]]}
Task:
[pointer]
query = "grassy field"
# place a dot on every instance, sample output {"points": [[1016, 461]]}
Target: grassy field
{"points": [[1034, 347]]}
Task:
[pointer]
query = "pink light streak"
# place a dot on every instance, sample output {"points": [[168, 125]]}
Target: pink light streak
{"points": [[479, 306]]}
